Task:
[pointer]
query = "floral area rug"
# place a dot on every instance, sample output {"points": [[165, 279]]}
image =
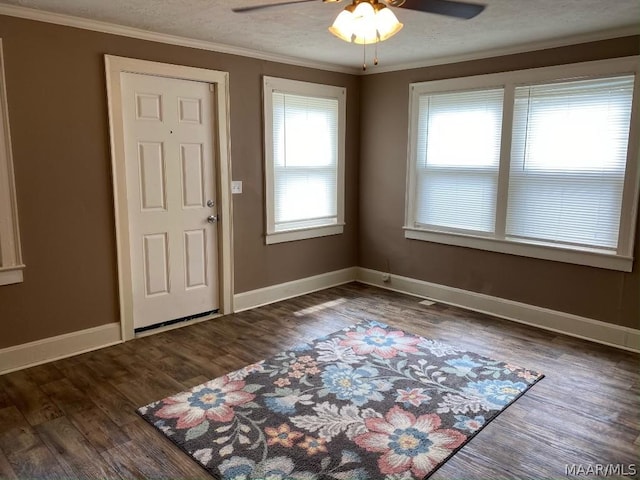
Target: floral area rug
{"points": [[370, 402]]}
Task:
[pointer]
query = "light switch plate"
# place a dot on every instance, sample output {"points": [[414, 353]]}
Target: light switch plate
{"points": [[236, 186]]}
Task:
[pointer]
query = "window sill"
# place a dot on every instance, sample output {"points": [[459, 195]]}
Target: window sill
{"points": [[10, 275], [303, 233], [592, 258]]}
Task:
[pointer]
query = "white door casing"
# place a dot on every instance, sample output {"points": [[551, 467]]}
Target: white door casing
{"points": [[169, 139], [170, 178]]}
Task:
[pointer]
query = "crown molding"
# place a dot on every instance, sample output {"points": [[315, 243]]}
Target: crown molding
{"points": [[114, 29], [511, 50]]}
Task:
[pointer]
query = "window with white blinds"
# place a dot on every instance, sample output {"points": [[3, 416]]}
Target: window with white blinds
{"points": [[527, 163], [304, 151], [456, 180], [568, 161]]}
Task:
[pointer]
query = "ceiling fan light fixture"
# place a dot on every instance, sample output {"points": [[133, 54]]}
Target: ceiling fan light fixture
{"points": [[365, 22], [387, 23], [343, 25]]}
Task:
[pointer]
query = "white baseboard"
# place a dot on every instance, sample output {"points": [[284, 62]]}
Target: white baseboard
{"points": [[275, 293], [62, 346], [559, 322], [49, 349]]}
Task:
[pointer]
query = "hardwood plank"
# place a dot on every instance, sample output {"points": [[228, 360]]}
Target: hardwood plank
{"points": [[146, 388], [6, 472], [73, 451], [24, 451], [38, 463], [104, 395], [98, 429], [80, 375], [15, 433], [46, 373], [116, 406], [66, 396], [151, 455], [199, 380], [85, 415], [5, 401], [29, 398]]}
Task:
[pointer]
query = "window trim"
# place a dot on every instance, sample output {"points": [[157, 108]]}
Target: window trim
{"points": [[498, 242], [274, 84], [11, 266]]}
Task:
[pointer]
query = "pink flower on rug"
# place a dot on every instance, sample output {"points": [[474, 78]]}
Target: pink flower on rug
{"points": [[415, 397], [296, 374], [312, 371], [212, 400], [408, 443], [379, 341], [282, 382]]}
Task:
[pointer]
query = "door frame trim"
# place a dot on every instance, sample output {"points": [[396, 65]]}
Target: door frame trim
{"points": [[114, 67]]}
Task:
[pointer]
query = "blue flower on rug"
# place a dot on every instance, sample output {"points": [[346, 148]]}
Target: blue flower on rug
{"points": [[302, 347], [357, 385], [237, 468], [496, 394], [469, 424], [285, 400], [461, 367], [278, 468]]}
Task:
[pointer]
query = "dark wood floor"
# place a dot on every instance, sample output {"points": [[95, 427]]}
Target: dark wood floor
{"points": [[75, 418]]}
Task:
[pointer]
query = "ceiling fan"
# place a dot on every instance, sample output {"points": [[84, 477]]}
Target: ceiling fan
{"points": [[370, 21], [449, 8]]}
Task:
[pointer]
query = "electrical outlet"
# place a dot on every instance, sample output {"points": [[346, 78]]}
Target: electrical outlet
{"points": [[236, 186]]}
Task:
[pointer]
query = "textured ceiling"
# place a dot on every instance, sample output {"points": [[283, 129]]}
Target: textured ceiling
{"points": [[300, 31]]}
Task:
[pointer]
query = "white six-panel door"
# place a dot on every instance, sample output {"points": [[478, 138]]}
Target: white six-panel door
{"points": [[170, 177]]}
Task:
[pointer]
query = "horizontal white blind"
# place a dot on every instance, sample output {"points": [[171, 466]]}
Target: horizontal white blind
{"points": [[305, 158], [458, 155], [569, 153]]}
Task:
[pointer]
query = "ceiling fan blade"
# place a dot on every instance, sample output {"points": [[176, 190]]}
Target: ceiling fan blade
{"points": [[450, 8], [268, 5]]}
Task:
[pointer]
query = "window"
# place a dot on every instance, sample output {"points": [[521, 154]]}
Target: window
{"points": [[456, 182], [304, 152], [537, 163], [10, 256]]}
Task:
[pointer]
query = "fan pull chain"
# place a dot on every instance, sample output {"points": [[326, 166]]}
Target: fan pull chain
{"points": [[375, 56], [364, 57]]}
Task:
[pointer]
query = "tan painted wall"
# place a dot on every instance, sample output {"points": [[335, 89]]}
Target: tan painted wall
{"points": [[605, 295], [59, 124]]}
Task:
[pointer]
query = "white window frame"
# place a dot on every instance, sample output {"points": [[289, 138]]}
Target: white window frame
{"points": [[271, 85], [497, 242], [11, 266]]}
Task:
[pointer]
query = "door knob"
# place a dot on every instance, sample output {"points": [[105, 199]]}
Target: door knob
{"points": [[212, 218]]}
